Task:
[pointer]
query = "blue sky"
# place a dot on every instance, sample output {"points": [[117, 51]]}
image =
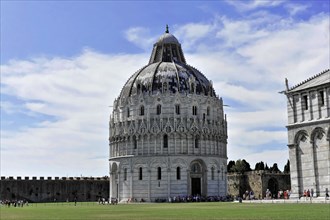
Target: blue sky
{"points": [[63, 63]]}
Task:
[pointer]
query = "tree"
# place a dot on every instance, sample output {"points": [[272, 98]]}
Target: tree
{"points": [[247, 165], [287, 167], [241, 166], [274, 168], [260, 166], [266, 167], [230, 165]]}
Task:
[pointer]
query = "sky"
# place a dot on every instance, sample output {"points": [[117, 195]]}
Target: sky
{"points": [[64, 62]]}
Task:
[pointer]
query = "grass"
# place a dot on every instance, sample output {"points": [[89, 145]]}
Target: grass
{"points": [[173, 211]]}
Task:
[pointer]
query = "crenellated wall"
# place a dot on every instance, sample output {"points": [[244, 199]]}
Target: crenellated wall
{"points": [[54, 189]]}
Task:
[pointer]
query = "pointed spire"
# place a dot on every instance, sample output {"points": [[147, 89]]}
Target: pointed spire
{"points": [[167, 29]]}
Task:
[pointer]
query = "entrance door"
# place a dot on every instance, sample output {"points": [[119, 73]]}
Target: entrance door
{"points": [[195, 186]]}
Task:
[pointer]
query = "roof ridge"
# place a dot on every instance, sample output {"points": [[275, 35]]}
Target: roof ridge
{"points": [[309, 79]]}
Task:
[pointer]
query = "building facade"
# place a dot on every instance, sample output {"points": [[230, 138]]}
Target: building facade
{"points": [[168, 131], [308, 105]]}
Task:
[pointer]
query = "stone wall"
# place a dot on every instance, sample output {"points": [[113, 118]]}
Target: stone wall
{"points": [[91, 189], [258, 182], [54, 189]]}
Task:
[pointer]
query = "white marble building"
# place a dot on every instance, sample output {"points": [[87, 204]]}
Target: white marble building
{"points": [[168, 131], [308, 105]]}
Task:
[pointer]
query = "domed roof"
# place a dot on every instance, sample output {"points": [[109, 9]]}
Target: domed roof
{"points": [[167, 38], [167, 71]]}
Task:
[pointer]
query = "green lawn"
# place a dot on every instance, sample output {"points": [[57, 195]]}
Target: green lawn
{"points": [[162, 211]]}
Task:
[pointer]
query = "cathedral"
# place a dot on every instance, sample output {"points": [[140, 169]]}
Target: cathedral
{"points": [[168, 131], [308, 105]]}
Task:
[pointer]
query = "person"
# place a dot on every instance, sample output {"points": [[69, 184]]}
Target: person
{"points": [[75, 201], [326, 194], [308, 194], [312, 193], [305, 194], [268, 194], [285, 194]]}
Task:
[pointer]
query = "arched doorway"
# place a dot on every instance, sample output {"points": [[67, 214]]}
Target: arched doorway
{"points": [[273, 187], [198, 178]]}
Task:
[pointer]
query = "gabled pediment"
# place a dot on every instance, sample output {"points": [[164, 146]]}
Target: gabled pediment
{"points": [[317, 80]]}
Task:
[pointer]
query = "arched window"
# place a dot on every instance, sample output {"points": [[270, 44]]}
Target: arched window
{"points": [[305, 102], [164, 86], [138, 88], [194, 110], [212, 173], [178, 173], [196, 142], [321, 98], [128, 113], [208, 111], [140, 173], [159, 173], [125, 174], [165, 141], [159, 109], [177, 109], [142, 110], [192, 88], [134, 142]]}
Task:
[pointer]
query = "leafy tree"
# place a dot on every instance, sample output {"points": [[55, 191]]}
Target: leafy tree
{"points": [[274, 168], [241, 166], [230, 165], [247, 165], [287, 167], [260, 166], [266, 167]]}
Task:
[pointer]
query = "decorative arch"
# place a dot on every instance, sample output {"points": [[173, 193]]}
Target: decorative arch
{"points": [[140, 163], [301, 135], [114, 174], [317, 133], [198, 177], [179, 162], [317, 138], [156, 162], [215, 164], [114, 167]]}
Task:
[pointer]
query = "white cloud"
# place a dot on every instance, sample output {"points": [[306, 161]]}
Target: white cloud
{"points": [[140, 36], [10, 108], [192, 32], [237, 32], [294, 9], [76, 92], [254, 4]]}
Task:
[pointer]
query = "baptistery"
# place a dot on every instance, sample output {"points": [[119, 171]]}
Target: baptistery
{"points": [[168, 131]]}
